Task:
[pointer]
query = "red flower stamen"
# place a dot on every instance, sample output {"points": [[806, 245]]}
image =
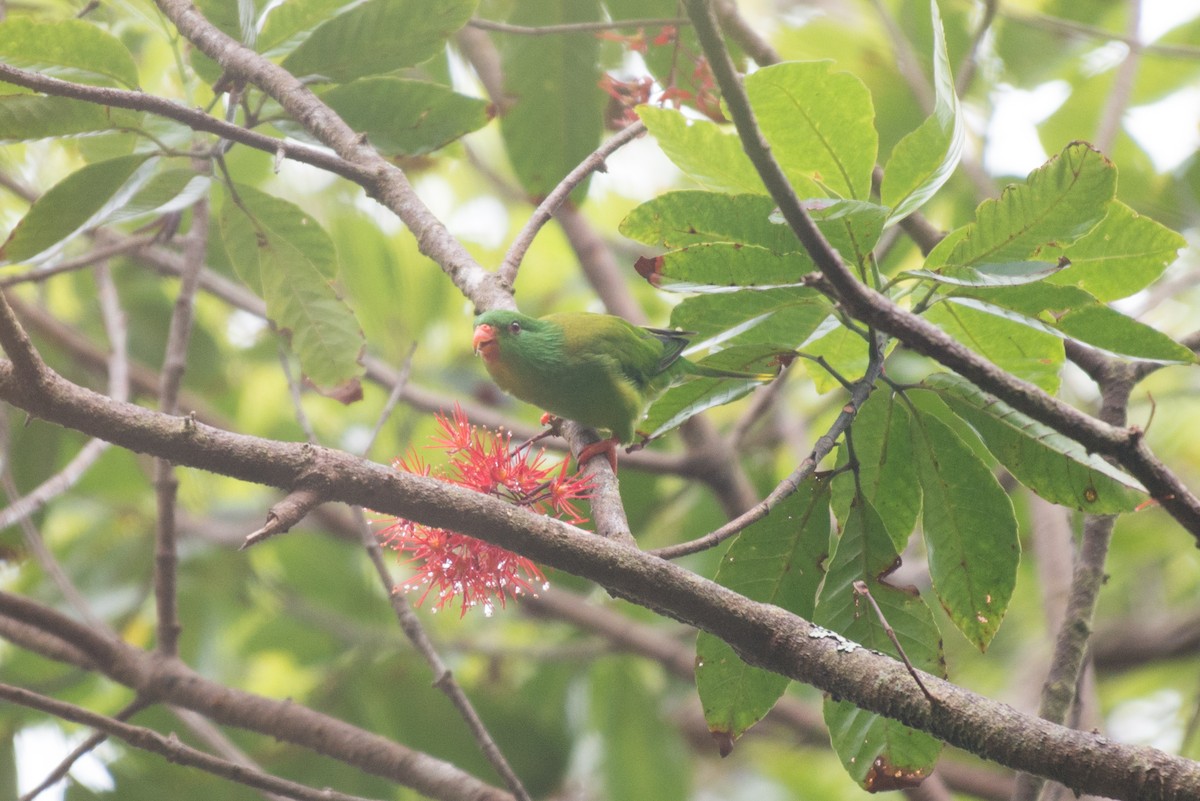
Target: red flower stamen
{"points": [[453, 565]]}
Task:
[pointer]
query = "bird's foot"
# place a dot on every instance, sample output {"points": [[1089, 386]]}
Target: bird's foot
{"points": [[605, 446]]}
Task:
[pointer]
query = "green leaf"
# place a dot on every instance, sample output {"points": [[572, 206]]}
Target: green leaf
{"points": [[557, 115], [1083, 319], [286, 256], [169, 190], [287, 23], [781, 318], [820, 126], [873, 749], [70, 49], [722, 267], [923, 161], [843, 350], [851, 226], [70, 206], [26, 117], [883, 449], [778, 560], [641, 753], [376, 37], [970, 530], [1013, 273], [1120, 256], [1032, 353], [1054, 466], [709, 155], [696, 395], [406, 118], [1058, 203], [677, 219]]}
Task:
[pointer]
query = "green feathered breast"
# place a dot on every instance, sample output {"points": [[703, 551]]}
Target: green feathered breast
{"points": [[596, 369]]}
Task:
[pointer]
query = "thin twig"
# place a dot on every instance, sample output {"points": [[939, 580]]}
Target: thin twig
{"points": [[165, 483], [170, 747], [545, 210], [193, 118], [443, 679], [1122, 88], [394, 398], [861, 588], [97, 254], [90, 744], [859, 392]]}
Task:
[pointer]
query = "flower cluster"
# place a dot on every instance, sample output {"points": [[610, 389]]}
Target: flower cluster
{"points": [[453, 564], [699, 91]]}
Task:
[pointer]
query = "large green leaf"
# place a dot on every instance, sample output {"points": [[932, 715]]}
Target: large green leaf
{"points": [[1058, 203], [1054, 466], [1033, 354], [556, 115], [820, 126], [678, 219], [377, 37], [696, 395], [883, 451], [877, 751], [70, 49], [777, 560], [708, 154], [1083, 319], [923, 161], [406, 118], [286, 256], [28, 117], [970, 530], [641, 755], [717, 262], [783, 318], [1120, 256], [722, 267], [71, 205]]}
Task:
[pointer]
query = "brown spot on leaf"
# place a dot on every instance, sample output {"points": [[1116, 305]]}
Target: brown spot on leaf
{"points": [[724, 741], [650, 268], [884, 776]]}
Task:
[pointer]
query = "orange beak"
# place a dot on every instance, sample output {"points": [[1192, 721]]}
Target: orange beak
{"points": [[484, 342]]}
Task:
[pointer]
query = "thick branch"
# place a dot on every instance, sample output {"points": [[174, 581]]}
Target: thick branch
{"points": [[764, 635]]}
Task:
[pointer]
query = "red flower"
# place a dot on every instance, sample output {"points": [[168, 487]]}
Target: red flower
{"points": [[477, 572]]}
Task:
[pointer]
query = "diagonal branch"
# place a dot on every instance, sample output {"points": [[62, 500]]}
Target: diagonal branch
{"points": [[763, 635], [1126, 445]]}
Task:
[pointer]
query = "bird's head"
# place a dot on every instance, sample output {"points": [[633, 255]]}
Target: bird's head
{"points": [[493, 328]]}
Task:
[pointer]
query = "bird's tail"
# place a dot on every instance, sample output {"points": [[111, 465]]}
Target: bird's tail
{"points": [[714, 372]]}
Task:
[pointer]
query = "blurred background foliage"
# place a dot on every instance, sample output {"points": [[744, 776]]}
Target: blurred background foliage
{"points": [[303, 617]]}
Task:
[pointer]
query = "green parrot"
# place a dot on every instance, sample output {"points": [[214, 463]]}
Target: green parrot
{"points": [[595, 369]]}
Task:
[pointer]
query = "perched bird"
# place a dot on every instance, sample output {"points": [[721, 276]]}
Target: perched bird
{"points": [[595, 369]]}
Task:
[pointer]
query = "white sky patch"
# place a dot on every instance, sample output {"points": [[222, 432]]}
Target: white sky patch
{"points": [[1153, 720], [243, 328], [1160, 16], [40, 748], [1012, 145], [1168, 130], [483, 220], [639, 171]]}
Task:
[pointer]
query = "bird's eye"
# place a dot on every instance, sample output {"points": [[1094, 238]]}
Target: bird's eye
{"points": [[514, 327]]}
